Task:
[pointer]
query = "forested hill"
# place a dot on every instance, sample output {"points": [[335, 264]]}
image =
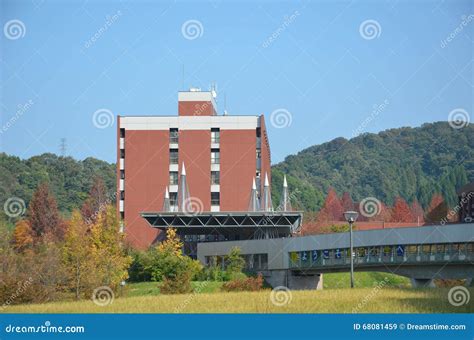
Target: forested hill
{"points": [[70, 180], [406, 162]]}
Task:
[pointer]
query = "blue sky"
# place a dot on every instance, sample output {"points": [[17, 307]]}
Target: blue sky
{"points": [[323, 65]]}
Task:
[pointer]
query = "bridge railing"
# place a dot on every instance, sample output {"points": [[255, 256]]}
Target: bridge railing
{"points": [[395, 254]]}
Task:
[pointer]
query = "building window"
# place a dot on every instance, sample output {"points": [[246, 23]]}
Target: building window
{"points": [[173, 198], [259, 153], [215, 177], [173, 156], [122, 174], [122, 153], [215, 156], [174, 136], [259, 132], [122, 133], [122, 215], [215, 135], [173, 177], [215, 198], [122, 195]]}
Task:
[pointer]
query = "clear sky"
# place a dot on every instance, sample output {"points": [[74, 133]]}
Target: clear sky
{"points": [[323, 65]]}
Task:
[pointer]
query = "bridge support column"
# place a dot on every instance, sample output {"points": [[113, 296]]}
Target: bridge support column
{"points": [[422, 283], [304, 282], [286, 278]]}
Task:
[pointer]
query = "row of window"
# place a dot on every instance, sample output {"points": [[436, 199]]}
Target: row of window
{"points": [[397, 250], [253, 262], [215, 136]]}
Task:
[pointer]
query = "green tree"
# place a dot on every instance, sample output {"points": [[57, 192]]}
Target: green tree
{"points": [[234, 263]]}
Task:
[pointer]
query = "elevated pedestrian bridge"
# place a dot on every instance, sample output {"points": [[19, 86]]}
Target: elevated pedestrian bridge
{"points": [[420, 253]]}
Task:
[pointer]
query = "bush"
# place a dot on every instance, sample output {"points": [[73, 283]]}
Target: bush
{"points": [[248, 284]]}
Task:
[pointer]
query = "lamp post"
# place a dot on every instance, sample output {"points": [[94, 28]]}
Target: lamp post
{"points": [[351, 217]]}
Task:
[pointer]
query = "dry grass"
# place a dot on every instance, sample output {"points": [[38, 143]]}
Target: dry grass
{"points": [[386, 300]]}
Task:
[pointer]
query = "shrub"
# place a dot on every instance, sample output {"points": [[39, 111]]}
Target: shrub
{"points": [[247, 284]]}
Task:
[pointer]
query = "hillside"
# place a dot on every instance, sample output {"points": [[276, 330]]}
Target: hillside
{"points": [[70, 180], [407, 162]]}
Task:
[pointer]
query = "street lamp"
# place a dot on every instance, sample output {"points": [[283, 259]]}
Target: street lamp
{"points": [[351, 217]]}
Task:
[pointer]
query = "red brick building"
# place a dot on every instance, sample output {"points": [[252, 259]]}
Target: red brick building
{"points": [[222, 155]]}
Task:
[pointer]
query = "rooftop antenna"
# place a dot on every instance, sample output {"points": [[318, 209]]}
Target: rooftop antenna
{"points": [[214, 90], [225, 104]]}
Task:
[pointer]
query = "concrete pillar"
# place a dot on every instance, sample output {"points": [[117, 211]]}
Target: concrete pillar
{"points": [[286, 278], [422, 283], [305, 282]]}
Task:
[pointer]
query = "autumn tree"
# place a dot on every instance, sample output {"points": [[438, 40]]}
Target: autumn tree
{"points": [[171, 266], [110, 259], [437, 209], [332, 209], [347, 202], [43, 214], [417, 212], [22, 236], [96, 202], [401, 211], [77, 257]]}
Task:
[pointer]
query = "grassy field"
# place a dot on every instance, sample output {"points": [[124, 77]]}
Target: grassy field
{"points": [[344, 300], [374, 293]]}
